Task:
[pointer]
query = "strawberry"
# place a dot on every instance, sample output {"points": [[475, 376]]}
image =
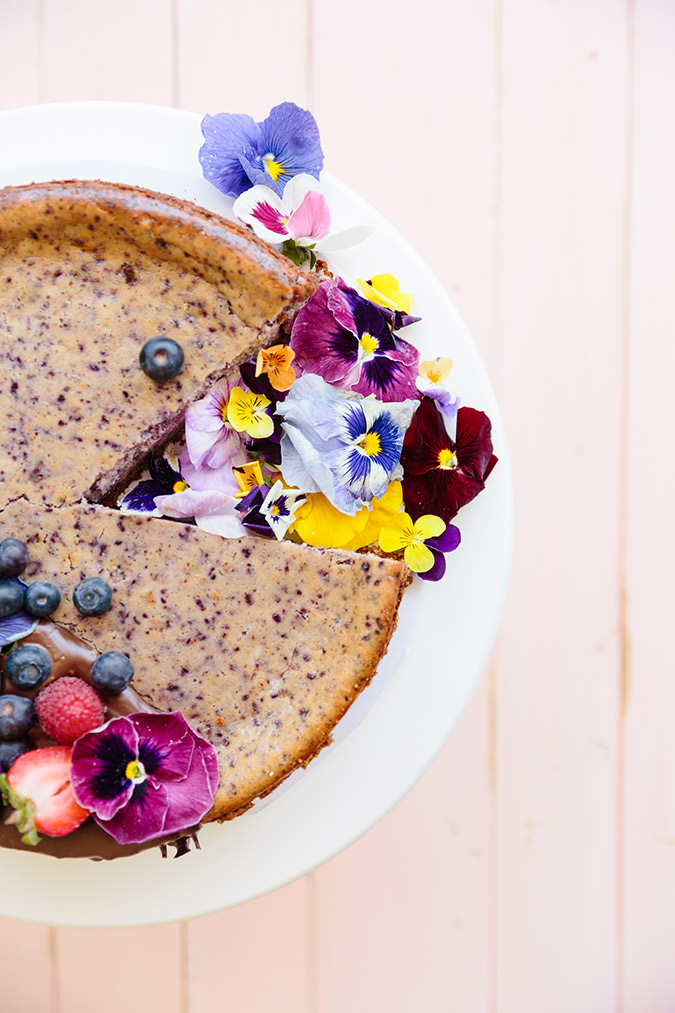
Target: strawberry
{"points": [[38, 788], [67, 708]]}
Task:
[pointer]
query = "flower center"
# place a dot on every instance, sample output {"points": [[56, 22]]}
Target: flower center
{"points": [[368, 343], [274, 168], [135, 771], [447, 459], [371, 444], [180, 486]]}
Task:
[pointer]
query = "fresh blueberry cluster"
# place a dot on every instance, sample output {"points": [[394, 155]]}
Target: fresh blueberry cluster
{"points": [[91, 597], [65, 707]]}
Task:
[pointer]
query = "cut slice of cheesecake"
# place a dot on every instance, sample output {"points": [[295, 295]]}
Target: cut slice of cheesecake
{"points": [[89, 272], [262, 645]]}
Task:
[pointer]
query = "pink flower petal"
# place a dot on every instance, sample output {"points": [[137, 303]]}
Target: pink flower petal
{"points": [[311, 220]]}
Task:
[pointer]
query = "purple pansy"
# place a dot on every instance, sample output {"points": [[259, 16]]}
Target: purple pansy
{"points": [[251, 513], [144, 776], [447, 542], [164, 480], [239, 153], [347, 340], [16, 626]]}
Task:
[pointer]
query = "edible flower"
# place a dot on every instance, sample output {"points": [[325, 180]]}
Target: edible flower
{"points": [[275, 362], [318, 522], [441, 474], [279, 507], [164, 480], [238, 153], [246, 413], [18, 625], [211, 440], [144, 776], [212, 510], [385, 292], [432, 373], [423, 542], [346, 339], [248, 476], [301, 214], [345, 446]]}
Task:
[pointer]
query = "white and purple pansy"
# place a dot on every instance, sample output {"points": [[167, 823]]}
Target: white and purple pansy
{"points": [[432, 373], [346, 339], [300, 213], [279, 507], [343, 445], [238, 153], [144, 776]]}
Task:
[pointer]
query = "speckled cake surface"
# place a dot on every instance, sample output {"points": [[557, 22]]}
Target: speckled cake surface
{"points": [[88, 273], [262, 645]]}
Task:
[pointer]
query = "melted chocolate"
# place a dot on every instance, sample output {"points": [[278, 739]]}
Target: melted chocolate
{"points": [[72, 656]]}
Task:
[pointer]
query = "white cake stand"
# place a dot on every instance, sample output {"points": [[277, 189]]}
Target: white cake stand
{"points": [[446, 630]]}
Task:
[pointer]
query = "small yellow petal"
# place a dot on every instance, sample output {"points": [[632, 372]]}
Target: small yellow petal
{"points": [[418, 557], [398, 533], [428, 526], [435, 370]]}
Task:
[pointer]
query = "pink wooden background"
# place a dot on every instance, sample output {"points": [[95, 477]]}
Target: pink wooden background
{"points": [[533, 867]]}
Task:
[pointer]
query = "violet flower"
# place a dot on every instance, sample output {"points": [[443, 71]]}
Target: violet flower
{"points": [[144, 776], [209, 437], [164, 480], [18, 625], [439, 545], [346, 339], [239, 153]]}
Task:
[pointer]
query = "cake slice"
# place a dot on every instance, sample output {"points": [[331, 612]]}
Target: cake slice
{"points": [[89, 272], [263, 645]]}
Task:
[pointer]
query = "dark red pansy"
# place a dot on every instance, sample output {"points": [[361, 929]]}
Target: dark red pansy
{"points": [[442, 475]]}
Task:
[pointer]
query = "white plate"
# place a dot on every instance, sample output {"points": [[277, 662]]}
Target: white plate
{"points": [[448, 629]]}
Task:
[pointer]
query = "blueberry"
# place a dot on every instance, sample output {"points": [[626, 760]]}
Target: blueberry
{"points": [[111, 673], [41, 598], [13, 558], [17, 714], [9, 751], [161, 359], [28, 666], [11, 597], [92, 596]]}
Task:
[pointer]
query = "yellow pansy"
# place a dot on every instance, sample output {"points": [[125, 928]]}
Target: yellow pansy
{"points": [[435, 370], [318, 522], [383, 511], [246, 413], [384, 290], [402, 533], [247, 476]]}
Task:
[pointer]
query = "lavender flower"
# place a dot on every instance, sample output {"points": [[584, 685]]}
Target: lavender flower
{"points": [[239, 153], [345, 446], [144, 776]]}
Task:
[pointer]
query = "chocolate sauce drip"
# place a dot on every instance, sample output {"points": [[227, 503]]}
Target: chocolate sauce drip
{"points": [[72, 656]]}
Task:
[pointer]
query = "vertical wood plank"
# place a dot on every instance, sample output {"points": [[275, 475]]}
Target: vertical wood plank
{"points": [[247, 60], [257, 955], [649, 826], [122, 51], [20, 52], [116, 969], [563, 195], [28, 969], [406, 102]]}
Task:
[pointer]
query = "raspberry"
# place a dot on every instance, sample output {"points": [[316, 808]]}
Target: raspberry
{"points": [[67, 708]]}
